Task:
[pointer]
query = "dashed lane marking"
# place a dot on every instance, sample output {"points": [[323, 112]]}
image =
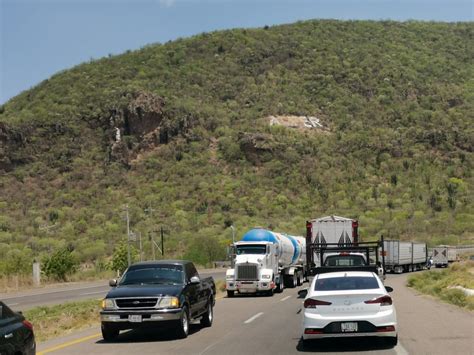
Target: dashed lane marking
{"points": [[285, 298], [251, 319]]}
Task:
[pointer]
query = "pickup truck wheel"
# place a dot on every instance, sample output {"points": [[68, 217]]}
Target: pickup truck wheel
{"points": [[230, 293], [109, 333], [208, 317], [182, 330]]}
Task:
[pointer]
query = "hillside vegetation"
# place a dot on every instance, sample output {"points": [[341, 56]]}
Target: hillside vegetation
{"points": [[180, 130]]}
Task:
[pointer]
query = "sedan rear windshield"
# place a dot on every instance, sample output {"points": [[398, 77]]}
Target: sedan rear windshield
{"points": [[156, 274], [346, 283]]}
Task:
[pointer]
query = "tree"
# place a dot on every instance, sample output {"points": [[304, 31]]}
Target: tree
{"points": [[120, 258], [59, 265]]}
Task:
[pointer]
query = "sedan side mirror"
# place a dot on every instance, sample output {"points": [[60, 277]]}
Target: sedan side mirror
{"points": [[388, 289], [302, 293], [194, 280], [113, 283]]}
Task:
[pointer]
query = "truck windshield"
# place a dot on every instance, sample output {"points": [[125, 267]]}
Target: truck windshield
{"points": [[153, 274], [349, 260], [251, 249]]}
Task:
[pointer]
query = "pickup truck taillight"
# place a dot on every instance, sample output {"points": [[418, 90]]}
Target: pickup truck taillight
{"points": [[384, 301], [28, 324], [312, 303]]}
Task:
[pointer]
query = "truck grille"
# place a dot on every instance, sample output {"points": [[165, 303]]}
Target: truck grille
{"points": [[247, 272], [136, 302]]}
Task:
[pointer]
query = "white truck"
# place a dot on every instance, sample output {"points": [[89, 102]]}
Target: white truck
{"points": [[399, 256], [335, 230], [266, 261], [443, 255]]}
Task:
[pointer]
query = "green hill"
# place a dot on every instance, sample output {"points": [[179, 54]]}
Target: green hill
{"points": [[183, 128]]}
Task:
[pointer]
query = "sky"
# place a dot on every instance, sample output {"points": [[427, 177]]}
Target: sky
{"points": [[41, 37]]}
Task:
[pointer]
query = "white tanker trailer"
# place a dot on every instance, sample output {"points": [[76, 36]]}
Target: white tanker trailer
{"points": [[266, 261]]}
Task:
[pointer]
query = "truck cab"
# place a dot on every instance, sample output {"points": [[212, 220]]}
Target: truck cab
{"points": [[255, 268]]}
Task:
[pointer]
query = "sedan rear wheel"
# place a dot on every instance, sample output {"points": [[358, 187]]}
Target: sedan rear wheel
{"points": [[392, 341]]}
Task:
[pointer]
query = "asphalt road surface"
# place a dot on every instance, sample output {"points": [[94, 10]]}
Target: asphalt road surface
{"points": [[71, 292], [272, 325]]}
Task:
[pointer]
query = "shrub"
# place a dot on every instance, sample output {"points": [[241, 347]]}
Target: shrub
{"points": [[59, 265]]}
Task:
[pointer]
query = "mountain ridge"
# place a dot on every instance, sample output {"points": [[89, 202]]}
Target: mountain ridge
{"points": [[396, 96]]}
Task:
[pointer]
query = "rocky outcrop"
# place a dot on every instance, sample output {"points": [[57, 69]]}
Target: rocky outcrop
{"points": [[10, 142], [257, 147]]}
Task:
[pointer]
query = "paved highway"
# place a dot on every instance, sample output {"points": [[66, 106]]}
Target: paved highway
{"points": [[71, 292], [271, 325]]}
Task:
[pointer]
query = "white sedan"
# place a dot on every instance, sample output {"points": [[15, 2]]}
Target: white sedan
{"points": [[349, 304]]}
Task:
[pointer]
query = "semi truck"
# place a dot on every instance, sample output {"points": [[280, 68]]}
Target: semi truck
{"points": [[443, 255], [266, 261], [399, 256], [329, 231]]}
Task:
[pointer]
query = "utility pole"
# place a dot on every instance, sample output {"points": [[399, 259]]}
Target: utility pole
{"points": [[128, 235], [152, 240]]}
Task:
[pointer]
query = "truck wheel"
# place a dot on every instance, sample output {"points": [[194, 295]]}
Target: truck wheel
{"points": [[109, 332], [298, 279], [208, 317], [230, 294], [269, 293], [280, 285], [182, 330]]}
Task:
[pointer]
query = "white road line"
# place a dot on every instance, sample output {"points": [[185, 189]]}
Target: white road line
{"points": [[92, 293], [12, 304], [251, 319], [285, 298], [400, 350]]}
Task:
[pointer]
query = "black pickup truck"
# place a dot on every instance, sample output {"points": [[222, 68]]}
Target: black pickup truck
{"points": [[166, 293]]}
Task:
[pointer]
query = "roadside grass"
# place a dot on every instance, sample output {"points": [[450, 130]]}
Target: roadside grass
{"points": [[54, 321], [220, 287], [438, 282]]}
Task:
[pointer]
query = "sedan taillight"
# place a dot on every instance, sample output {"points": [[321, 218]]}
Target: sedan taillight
{"points": [[28, 324], [383, 300], [312, 303]]}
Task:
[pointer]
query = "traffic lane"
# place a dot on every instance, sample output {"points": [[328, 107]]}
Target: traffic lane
{"points": [[278, 331], [75, 293], [248, 324], [229, 315], [427, 325], [56, 297]]}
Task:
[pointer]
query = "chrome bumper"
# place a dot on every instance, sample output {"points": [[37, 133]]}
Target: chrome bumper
{"points": [[121, 316]]}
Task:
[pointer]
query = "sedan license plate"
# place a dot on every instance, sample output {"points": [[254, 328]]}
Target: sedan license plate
{"points": [[349, 327], [135, 318]]}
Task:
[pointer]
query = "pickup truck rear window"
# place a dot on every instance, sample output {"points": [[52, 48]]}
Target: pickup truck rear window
{"points": [[346, 260], [346, 283], [156, 274]]}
